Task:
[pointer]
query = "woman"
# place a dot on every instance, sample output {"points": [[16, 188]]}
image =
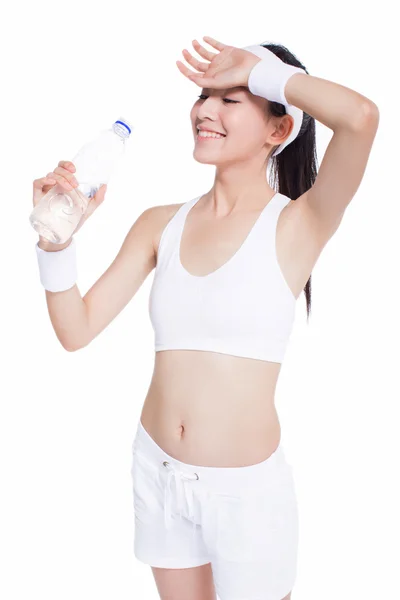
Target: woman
{"points": [[215, 504]]}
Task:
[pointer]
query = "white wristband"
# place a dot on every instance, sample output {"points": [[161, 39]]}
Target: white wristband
{"points": [[58, 270], [270, 75], [268, 79]]}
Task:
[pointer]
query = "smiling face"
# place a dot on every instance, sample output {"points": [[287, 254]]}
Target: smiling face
{"points": [[239, 114]]}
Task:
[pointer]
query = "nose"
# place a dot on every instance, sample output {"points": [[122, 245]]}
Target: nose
{"points": [[208, 109]]}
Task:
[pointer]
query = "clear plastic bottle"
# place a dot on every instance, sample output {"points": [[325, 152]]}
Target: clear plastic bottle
{"points": [[59, 212]]}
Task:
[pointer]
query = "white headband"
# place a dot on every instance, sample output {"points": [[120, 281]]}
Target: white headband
{"points": [[268, 79]]}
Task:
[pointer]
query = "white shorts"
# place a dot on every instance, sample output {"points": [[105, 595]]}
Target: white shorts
{"points": [[242, 520]]}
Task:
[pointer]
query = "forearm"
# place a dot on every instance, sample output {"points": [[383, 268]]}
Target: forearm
{"points": [[332, 104], [67, 309], [68, 316]]}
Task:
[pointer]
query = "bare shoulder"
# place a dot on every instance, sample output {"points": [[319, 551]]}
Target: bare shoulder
{"points": [[161, 215], [148, 227]]}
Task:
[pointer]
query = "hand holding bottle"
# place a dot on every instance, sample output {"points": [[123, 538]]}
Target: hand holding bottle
{"points": [[79, 186], [64, 178]]}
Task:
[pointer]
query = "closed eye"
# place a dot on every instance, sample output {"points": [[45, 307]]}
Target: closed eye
{"points": [[203, 97]]}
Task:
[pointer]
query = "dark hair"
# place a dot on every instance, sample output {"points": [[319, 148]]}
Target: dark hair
{"points": [[294, 170]]}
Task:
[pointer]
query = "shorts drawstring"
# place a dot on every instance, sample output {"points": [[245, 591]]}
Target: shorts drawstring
{"points": [[182, 490]]}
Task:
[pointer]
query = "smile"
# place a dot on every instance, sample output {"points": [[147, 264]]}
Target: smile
{"points": [[208, 137]]}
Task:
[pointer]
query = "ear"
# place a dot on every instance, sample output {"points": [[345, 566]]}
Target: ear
{"points": [[283, 128]]}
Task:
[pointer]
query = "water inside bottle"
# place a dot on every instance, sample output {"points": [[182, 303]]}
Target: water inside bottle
{"points": [[58, 214]]}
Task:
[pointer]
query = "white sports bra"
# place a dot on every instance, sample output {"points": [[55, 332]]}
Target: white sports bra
{"points": [[244, 308]]}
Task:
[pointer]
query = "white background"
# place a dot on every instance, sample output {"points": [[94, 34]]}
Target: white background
{"points": [[68, 420]]}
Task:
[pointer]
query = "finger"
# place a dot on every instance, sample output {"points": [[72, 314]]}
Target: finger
{"points": [[94, 202], [99, 196], [61, 180], [67, 164], [198, 78], [38, 184], [213, 42], [67, 175], [202, 51], [194, 62]]}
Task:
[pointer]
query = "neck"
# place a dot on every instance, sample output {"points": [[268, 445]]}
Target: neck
{"points": [[237, 191]]}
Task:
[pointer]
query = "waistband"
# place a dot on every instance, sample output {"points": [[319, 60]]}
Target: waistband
{"points": [[216, 479]]}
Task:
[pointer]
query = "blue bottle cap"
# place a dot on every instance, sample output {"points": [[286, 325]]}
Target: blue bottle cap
{"points": [[125, 123]]}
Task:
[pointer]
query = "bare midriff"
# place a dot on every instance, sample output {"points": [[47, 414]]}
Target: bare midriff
{"points": [[211, 409]]}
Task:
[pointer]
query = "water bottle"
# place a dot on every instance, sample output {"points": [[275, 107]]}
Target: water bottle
{"points": [[59, 212]]}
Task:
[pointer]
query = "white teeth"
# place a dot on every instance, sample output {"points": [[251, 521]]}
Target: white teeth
{"points": [[201, 133]]}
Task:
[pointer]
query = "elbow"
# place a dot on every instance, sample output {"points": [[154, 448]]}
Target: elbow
{"points": [[73, 347], [368, 116], [70, 348]]}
